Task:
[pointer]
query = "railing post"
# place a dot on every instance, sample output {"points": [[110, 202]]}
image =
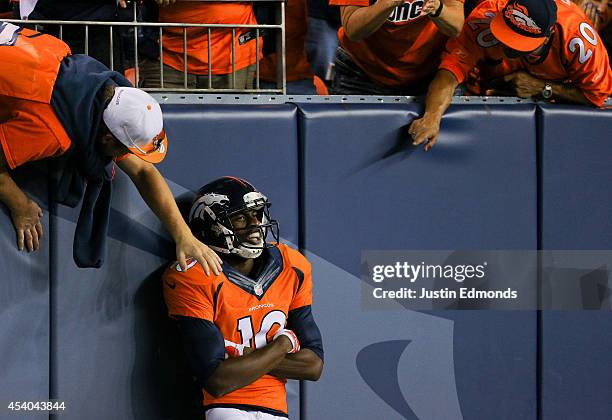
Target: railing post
{"points": [[281, 71]]}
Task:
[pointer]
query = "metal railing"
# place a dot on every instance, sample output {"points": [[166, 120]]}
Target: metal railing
{"points": [[279, 25]]}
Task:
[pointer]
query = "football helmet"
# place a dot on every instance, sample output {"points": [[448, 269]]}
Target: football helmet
{"points": [[211, 211]]}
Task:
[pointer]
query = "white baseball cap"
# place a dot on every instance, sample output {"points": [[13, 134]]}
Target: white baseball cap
{"points": [[135, 118]]}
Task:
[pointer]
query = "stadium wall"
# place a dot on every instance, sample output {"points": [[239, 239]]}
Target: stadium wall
{"points": [[342, 178]]}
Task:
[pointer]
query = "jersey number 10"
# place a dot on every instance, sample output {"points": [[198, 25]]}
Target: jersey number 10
{"points": [[245, 328]]}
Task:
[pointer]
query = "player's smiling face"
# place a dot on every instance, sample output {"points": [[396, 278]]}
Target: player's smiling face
{"points": [[246, 226]]}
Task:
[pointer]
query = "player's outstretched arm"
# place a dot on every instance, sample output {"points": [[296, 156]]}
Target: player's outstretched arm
{"points": [[439, 95], [156, 193], [25, 213]]}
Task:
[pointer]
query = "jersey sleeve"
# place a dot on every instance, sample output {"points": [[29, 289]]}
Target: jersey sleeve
{"points": [[303, 271], [189, 293], [204, 346], [463, 53], [588, 63], [302, 323]]}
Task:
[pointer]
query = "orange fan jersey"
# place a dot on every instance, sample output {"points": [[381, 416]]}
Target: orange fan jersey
{"points": [[575, 53], [197, 38], [244, 311], [405, 50], [296, 24]]}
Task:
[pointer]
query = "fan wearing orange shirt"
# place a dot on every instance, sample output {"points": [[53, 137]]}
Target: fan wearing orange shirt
{"points": [[543, 49], [392, 47], [221, 46], [249, 329], [299, 73]]}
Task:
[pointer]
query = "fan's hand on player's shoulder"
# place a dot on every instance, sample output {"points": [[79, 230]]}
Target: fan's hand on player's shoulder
{"points": [[425, 130], [189, 245]]}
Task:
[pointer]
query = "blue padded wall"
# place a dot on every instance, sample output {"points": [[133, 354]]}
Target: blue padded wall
{"points": [[24, 304], [113, 341], [576, 198], [365, 188], [100, 340]]}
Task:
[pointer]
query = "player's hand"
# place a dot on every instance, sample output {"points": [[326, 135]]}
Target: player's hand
{"points": [[430, 7], [526, 85], [290, 335], [235, 350], [122, 4], [26, 219], [425, 130], [188, 245]]}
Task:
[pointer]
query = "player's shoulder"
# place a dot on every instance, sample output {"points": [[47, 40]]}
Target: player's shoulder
{"points": [[193, 273], [294, 257]]}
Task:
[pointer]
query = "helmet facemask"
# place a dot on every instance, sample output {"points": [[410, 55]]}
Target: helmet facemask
{"points": [[212, 223], [244, 248]]}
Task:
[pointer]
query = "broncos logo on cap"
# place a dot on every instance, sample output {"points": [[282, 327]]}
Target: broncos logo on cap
{"points": [[518, 15]]}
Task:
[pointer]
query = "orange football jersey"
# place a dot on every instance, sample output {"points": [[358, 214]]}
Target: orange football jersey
{"points": [[405, 50], [245, 311], [575, 53], [197, 38]]}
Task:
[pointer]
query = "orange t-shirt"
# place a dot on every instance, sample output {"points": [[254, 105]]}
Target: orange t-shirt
{"points": [[29, 128], [296, 61], [576, 54], [197, 38], [244, 314], [404, 51]]}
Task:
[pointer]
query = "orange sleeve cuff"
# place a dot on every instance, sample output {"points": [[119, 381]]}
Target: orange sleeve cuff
{"points": [[455, 69], [596, 98]]}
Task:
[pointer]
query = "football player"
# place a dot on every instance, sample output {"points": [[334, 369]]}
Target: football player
{"points": [[544, 49], [251, 327]]}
